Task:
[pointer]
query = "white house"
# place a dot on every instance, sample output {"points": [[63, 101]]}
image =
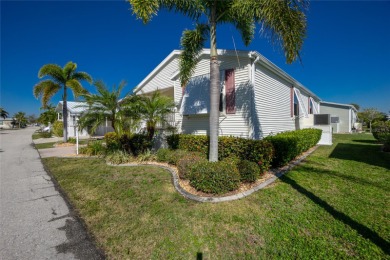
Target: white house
{"points": [[257, 97], [7, 123], [343, 116], [75, 109]]}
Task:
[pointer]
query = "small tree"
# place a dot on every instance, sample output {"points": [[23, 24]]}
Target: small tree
{"points": [[368, 115], [49, 116], [20, 118]]}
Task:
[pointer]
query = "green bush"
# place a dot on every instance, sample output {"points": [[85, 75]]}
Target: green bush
{"points": [[386, 144], [163, 155], [118, 157], [93, 148], [135, 144], [58, 128], [72, 140], [45, 134], [381, 131], [184, 163], [257, 151], [249, 171], [112, 141], [146, 156], [290, 144], [214, 177]]}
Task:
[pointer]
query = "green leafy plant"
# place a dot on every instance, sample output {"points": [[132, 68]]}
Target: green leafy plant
{"points": [[214, 177], [72, 140], [93, 148], [58, 128], [290, 144], [118, 157], [249, 171], [146, 156], [112, 141], [185, 163], [135, 144]]}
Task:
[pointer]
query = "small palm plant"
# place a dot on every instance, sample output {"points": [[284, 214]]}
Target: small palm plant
{"points": [[60, 79], [20, 118], [154, 109]]}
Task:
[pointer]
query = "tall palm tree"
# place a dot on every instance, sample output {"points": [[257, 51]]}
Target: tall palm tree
{"points": [[3, 113], [107, 105], [60, 78], [154, 109], [283, 19], [20, 118]]}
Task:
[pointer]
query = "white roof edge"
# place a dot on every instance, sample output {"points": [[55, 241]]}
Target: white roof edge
{"points": [[70, 109], [262, 59], [156, 69], [339, 104], [270, 65]]}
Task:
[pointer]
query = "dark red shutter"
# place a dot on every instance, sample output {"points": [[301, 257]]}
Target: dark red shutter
{"points": [[292, 101], [230, 92]]}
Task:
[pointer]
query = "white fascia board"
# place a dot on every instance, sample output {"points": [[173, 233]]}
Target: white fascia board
{"points": [[156, 70], [339, 104], [271, 66]]}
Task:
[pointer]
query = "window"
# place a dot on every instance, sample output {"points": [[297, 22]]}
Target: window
{"points": [[296, 105], [230, 92], [310, 106]]}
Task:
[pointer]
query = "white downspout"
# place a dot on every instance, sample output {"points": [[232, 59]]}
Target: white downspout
{"points": [[252, 79]]}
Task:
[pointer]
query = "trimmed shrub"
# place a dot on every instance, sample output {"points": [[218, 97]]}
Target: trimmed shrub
{"points": [[249, 171], [163, 155], [118, 157], [58, 128], [381, 131], [45, 134], [185, 163], [135, 144], [290, 144], [112, 141], [214, 177], [258, 151]]}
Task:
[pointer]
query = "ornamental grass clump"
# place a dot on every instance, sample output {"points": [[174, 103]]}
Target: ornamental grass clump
{"points": [[118, 157]]}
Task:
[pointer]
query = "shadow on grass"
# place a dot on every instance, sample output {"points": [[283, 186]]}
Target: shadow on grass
{"points": [[366, 141], [360, 228], [369, 154]]}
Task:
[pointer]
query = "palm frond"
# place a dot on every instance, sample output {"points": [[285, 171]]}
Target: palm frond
{"points": [[144, 9], [45, 88], [69, 69], [192, 42], [82, 76], [76, 87], [52, 70]]}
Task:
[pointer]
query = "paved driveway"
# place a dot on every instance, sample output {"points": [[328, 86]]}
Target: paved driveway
{"points": [[35, 221]]}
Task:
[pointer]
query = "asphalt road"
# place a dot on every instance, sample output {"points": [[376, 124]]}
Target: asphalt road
{"points": [[35, 220]]}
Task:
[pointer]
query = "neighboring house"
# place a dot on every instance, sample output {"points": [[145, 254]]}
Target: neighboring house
{"points": [[75, 109], [343, 116], [7, 123], [257, 97]]}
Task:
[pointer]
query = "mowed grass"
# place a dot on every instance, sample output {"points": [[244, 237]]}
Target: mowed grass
{"points": [[333, 206]]}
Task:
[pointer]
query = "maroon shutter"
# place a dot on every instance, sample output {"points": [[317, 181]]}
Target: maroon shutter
{"points": [[292, 101], [230, 92]]}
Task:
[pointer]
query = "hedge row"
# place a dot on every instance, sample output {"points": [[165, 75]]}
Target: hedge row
{"points": [[133, 144], [381, 132], [290, 144], [258, 151]]}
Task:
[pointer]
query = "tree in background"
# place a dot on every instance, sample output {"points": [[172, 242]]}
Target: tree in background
{"points": [[3, 113], [284, 20], [60, 79], [49, 116], [154, 109], [20, 119], [106, 106], [32, 119], [368, 115]]}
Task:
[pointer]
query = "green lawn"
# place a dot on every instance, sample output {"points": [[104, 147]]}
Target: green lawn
{"points": [[335, 205]]}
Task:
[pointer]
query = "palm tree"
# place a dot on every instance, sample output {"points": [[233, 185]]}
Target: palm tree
{"points": [[3, 113], [284, 20], [20, 118], [61, 78], [154, 109], [107, 105], [49, 116]]}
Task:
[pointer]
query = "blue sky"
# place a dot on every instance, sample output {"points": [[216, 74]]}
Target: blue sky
{"points": [[346, 55]]}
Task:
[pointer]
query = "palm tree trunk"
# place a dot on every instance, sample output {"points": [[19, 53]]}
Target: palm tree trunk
{"points": [[65, 115], [214, 87]]}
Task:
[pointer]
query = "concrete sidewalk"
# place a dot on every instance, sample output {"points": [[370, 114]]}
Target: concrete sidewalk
{"points": [[35, 220]]}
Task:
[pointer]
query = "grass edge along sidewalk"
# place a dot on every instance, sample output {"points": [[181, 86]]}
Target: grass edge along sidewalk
{"points": [[334, 205]]}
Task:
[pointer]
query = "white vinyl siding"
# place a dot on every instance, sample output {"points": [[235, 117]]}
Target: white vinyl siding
{"points": [[344, 125], [272, 96]]}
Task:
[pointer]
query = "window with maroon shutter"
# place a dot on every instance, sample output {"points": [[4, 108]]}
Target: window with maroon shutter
{"points": [[230, 91]]}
